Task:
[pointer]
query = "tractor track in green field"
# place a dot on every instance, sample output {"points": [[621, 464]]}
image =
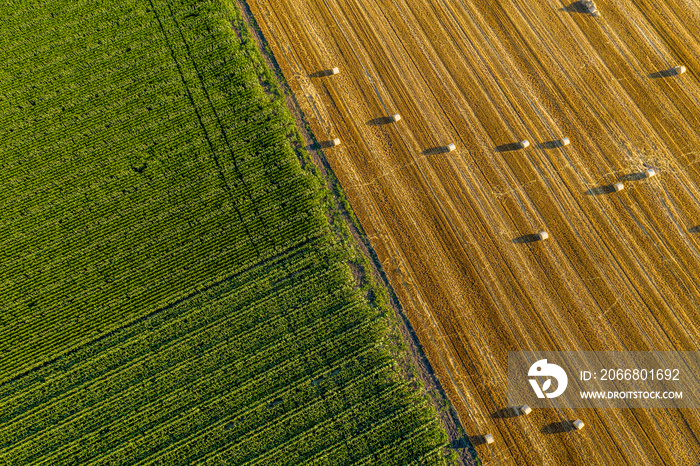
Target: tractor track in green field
{"points": [[215, 158]]}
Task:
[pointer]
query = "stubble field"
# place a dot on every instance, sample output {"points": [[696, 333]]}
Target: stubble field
{"points": [[451, 229]]}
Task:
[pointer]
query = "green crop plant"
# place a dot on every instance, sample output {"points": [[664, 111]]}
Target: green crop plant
{"points": [[172, 291]]}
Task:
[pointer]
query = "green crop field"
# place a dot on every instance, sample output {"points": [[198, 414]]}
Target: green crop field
{"points": [[171, 288]]}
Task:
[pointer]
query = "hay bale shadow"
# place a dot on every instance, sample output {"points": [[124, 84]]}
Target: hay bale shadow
{"points": [[633, 176], [320, 145], [695, 229], [598, 190], [575, 7], [549, 144], [662, 74], [511, 146], [476, 440], [321, 74], [558, 427], [506, 413], [436, 150], [531, 238], [385, 120]]}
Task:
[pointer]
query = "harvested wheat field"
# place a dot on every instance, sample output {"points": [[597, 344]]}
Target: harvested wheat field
{"points": [[453, 229]]}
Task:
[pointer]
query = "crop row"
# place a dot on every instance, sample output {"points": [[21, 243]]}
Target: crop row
{"points": [[193, 368], [160, 408], [65, 153], [71, 105], [118, 215], [120, 78], [385, 429], [150, 269], [255, 394], [297, 441], [249, 315], [409, 447], [127, 126], [27, 20], [93, 189], [304, 410], [121, 347], [171, 237], [111, 38], [266, 198], [75, 283], [62, 94], [263, 409], [149, 223]]}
